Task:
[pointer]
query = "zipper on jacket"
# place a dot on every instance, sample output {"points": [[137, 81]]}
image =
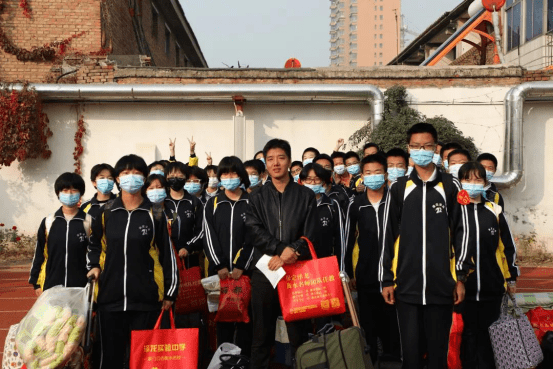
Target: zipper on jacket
{"points": [[424, 243], [477, 252], [125, 251], [231, 227], [66, 247], [280, 217]]}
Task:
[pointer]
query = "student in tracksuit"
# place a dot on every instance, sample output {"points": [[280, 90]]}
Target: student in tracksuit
{"points": [[355, 183], [495, 273], [334, 191], [131, 255], [365, 229], [62, 240], [102, 177], [254, 168], [225, 244], [489, 162], [426, 253]]}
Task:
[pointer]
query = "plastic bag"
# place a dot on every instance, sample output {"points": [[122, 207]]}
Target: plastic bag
{"points": [[225, 349], [53, 328], [234, 301], [212, 286], [11, 358]]}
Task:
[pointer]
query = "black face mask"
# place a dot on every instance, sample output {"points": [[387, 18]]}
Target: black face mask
{"points": [[176, 184]]}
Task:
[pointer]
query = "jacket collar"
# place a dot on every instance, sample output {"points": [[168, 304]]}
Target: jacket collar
{"points": [[290, 184], [433, 181], [80, 214], [325, 200], [366, 202], [95, 201], [145, 205], [187, 196], [222, 196]]}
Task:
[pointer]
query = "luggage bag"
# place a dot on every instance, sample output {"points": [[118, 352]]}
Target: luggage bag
{"points": [[343, 349]]}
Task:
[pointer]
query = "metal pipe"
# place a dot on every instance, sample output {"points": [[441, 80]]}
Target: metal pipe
{"points": [[213, 93], [513, 166]]}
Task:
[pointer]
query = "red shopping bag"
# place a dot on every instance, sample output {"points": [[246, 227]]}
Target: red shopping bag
{"points": [[541, 320], [311, 289], [165, 348], [192, 298], [234, 300], [455, 337]]}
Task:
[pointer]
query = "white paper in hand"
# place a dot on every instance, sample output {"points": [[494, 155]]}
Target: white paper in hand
{"points": [[273, 276]]}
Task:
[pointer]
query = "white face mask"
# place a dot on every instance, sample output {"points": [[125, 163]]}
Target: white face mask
{"points": [[213, 182], [339, 169]]}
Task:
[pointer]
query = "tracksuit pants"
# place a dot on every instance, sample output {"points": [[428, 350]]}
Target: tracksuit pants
{"points": [[424, 328], [476, 347], [265, 311], [238, 333]]}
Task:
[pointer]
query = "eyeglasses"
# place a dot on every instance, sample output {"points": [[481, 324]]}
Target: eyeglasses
{"points": [[427, 147], [296, 171], [312, 180], [350, 164], [194, 181]]}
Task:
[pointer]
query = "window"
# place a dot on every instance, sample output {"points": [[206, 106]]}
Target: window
{"points": [[380, 46], [353, 63], [379, 55], [177, 55], [167, 40], [375, 36], [375, 55], [534, 18], [380, 26], [353, 37], [155, 20], [353, 46], [381, 17], [353, 17], [513, 12], [381, 36], [352, 27], [353, 56], [381, 8]]}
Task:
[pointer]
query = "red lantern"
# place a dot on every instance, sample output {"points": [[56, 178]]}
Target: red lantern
{"points": [[292, 63], [490, 4]]}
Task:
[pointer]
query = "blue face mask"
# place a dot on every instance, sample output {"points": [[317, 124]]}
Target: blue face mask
{"points": [[254, 180], [230, 184], [353, 169], [395, 173], [409, 171], [307, 161], [156, 195], [489, 175], [374, 181], [317, 188], [104, 185], [422, 157], [437, 159], [70, 199], [296, 178], [158, 172], [446, 164], [131, 183], [213, 182], [454, 170], [474, 190], [263, 160], [340, 169], [192, 188]]}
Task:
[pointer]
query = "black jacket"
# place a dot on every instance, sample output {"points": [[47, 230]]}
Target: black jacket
{"points": [[427, 239], [330, 228], [495, 253], [276, 220], [493, 195], [93, 207], [340, 194], [365, 230], [225, 233], [136, 256], [60, 258], [187, 227]]}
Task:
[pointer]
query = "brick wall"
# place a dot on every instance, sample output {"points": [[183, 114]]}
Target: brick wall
{"points": [[51, 20], [118, 27], [474, 57]]}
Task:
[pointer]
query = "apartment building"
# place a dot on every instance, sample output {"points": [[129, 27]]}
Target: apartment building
{"points": [[364, 33]]}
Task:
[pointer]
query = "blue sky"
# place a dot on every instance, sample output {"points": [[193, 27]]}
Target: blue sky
{"points": [[265, 33]]}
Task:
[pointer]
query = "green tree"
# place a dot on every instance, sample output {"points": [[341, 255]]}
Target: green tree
{"points": [[398, 117]]}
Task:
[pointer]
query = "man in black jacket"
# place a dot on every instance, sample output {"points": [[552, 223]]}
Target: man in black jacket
{"points": [[280, 213]]}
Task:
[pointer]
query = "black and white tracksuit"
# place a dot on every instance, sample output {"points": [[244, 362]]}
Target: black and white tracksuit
{"points": [[493, 195], [340, 194], [225, 233], [330, 228], [495, 261], [426, 247], [186, 217], [93, 207], [60, 256]]}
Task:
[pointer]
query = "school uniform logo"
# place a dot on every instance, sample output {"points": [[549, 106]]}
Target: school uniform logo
{"points": [[325, 221], [81, 236], [492, 231], [243, 215], [438, 207], [144, 229], [189, 213]]}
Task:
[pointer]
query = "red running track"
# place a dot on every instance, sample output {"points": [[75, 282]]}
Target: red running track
{"points": [[17, 296]]}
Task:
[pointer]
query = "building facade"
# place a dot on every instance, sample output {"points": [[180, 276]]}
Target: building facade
{"points": [[364, 33]]}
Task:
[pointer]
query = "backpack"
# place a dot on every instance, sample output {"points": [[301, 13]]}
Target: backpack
{"points": [[50, 220]]}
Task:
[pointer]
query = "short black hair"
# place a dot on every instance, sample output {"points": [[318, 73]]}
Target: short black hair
{"points": [[487, 156], [422, 128], [396, 151], [338, 154], [374, 158], [152, 178], [472, 167], [351, 154], [255, 164], [257, 153], [211, 167], [68, 180], [310, 149], [131, 161], [368, 145], [461, 152], [95, 171], [230, 164], [449, 146], [277, 143], [198, 172], [296, 163], [159, 162], [320, 172], [324, 157], [179, 166]]}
